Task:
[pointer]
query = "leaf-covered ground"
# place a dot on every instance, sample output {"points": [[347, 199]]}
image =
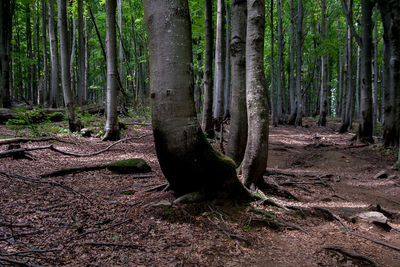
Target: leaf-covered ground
{"points": [[99, 218]]}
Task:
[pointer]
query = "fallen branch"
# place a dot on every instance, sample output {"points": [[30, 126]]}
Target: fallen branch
{"points": [[104, 229], [19, 235], [18, 151], [24, 252], [351, 254], [19, 263], [38, 181], [74, 170], [26, 140], [376, 241], [113, 245], [332, 216]]}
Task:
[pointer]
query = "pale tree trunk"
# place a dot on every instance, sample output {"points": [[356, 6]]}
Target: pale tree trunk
{"points": [[120, 48], [186, 158], [207, 120], [54, 88], [73, 121], [299, 62], [6, 10], [112, 128], [272, 63], [28, 51], [324, 81], [358, 82], [255, 159], [86, 80], [227, 90], [219, 72], [366, 126], [34, 88], [340, 85], [82, 94], [44, 93], [281, 71], [292, 53], [238, 126], [375, 103], [72, 56]]}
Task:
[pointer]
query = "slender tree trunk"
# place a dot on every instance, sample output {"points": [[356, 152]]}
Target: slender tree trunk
{"points": [[28, 51], [366, 125], [86, 50], [227, 90], [186, 158], [121, 47], [274, 109], [281, 71], [34, 88], [54, 88], [207, 120], [72, 59], [82, 94], [300, 44], [74, 123], [358, 82], [256, 155], [112, 128], [44, 96], [324, 74], [292, 53], [340, 86], [219, 75], [375, 72], [238, 126]]}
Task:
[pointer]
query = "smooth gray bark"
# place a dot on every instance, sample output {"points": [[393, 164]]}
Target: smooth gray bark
{"points": [[54, 87], [73, 121], [207, 120], [281, 71], [82, 90], [238, 126], [375, 104], [111, 128], [186, 158], [274, 110], [256, 155], [227, 89], [72, 57], [44, 94], [292, 54]]}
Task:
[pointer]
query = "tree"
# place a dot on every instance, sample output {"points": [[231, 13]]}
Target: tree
{"points": [[324, 74], [299, 62], [292, 53], [82, 90], [73, 121], [207, 121], [43, 95], [256, 154], [6, 11], [274, 109], [112, 128], [281, 71], [186, 158], [54, 88], [238, 127]]}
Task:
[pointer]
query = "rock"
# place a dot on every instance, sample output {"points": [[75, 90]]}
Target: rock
{"points": [[130, 166], [163, 203], [373, 217], [381, 174]]}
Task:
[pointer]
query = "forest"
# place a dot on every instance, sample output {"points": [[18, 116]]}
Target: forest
{"points": [[199, 132]]}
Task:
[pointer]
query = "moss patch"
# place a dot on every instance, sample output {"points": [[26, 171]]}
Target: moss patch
{"points": [[135, 165]]}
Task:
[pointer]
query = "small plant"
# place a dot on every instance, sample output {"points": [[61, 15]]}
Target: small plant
{"points": [[87, 118]]}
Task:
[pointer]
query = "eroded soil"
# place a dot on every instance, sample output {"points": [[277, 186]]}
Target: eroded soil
{"points": [[109, 219]]}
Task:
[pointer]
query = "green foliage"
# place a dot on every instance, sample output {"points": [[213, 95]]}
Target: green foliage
{"points": [[86, 118]]}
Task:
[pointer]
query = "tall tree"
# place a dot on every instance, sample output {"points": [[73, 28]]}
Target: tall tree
{"points": [[324, 81], [112, 128], [82, 90], [54, 88], [256, 155], [299, 62], [207, 120], [44, 96], [281, 71], [292, 53], [73, 121], [375, 75], [186, 158], [29, 52], [274, 109], [219, 73], [6, 14], [238, 126], [227, 89]]}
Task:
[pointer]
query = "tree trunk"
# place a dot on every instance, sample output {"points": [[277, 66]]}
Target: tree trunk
{"points": [[186, 158], [375, 103], [121, 47], [111, 129], [273, 99], [29, 54], [34, 88], [358, 82], [238, 126], [366, 125], [219, 75], [82, 94], [72, 56], [44, 96], [54, 88], [324, 81], [300, 44], [281, 71], [256, 155], [6, 10], [292, 53], [227, 90], [207, 120], [74, 123]]}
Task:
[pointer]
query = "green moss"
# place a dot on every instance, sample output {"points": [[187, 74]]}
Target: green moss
{"points": [[135, 165]]}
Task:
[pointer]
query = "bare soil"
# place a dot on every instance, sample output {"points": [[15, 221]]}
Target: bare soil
{"points": [[114, 222]]}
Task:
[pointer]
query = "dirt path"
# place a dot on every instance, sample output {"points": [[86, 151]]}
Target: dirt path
{"points": [[117, 223]]}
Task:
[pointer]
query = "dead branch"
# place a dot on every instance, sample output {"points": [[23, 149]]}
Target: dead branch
{"points": [[104, 229], [277, 172], [26, 140], [332, 216], [351, 254], [19, 263], [73, 170], [17, 151], [19, 235], [10, 225], [113, 245], [38, 181], [160, 187], [142, 176], [24, 252], [376, 241], [138, 123]]}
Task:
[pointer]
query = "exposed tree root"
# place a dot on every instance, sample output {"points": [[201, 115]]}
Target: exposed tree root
{"points": [[161, 187], [351, 254], [376, 241]]}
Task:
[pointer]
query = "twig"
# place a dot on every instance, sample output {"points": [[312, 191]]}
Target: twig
{"points": [[333, 216], [376, 241], [160, 187], [32, 251], [138, 123], [15, 225], [351, 254], [113, 245], [38, 181], [19, 263], [26, 140], [11, 152], [187, 256], [141, 176], [104, 229]]}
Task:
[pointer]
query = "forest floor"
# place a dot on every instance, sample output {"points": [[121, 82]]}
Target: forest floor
{"points": [[99, 218]]}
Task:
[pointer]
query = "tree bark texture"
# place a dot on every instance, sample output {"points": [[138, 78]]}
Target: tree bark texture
{"points": [[44, 95], [238, 126], [256, 155], [5, 45], [186, 158], [54, 88], [299, 63], [281, 71], [73, 121], [207, 120], [324, 74], [82, 90], [227, 89], [273, 99], [292, 54], [112, 128]]}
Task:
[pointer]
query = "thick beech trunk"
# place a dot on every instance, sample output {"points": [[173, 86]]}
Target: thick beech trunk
{"points": [[44, 94], [186, 158], [238, 127], [255, 159], [207, 120], [112, 128], [74, 123]]}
